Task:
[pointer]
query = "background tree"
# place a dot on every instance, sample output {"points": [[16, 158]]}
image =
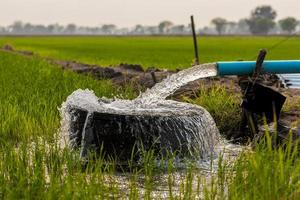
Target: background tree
{"points": [[40, 29], [230, 27], [164, 26], [28, 28], [243, 27], [178, 29], [288, 24], [108, 28], [2, 30], [262, 19], [138, 29], [219, 24], [17, 27], [71, 28], [50, 28]]}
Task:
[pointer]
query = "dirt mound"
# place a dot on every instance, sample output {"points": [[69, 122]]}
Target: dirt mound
{"points": [[120, 74], [8, 47]]}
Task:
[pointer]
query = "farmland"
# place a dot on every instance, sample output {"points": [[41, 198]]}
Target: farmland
{"points": [[33, 166], [163, 52]]}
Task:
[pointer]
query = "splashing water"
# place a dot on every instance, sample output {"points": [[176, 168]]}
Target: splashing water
{"points": [[185, 126], [168, 86]]}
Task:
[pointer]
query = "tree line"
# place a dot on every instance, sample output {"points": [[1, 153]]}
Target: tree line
{"points": [[262, 21]]}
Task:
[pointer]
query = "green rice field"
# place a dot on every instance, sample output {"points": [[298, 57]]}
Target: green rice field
{"points": [[33, 166], [164, 52]]}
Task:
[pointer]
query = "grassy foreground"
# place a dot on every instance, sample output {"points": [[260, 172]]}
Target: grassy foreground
{"points": [[33, 167], [164, 52]]}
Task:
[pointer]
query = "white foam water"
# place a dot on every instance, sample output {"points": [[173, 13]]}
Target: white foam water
{"points": [[204, 136], [198, 124]]}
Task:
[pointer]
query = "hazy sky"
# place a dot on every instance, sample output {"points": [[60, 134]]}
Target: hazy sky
{"points": [[131, 12]]}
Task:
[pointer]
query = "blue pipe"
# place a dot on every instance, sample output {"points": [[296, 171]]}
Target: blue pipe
{"points": [[247, 67]]}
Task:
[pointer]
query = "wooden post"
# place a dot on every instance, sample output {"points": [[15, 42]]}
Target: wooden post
{"points": [[153, 77], [195, 41]]}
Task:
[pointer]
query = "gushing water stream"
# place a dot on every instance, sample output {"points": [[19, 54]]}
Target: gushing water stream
{"points": [[180, 126], [168, 86]]}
